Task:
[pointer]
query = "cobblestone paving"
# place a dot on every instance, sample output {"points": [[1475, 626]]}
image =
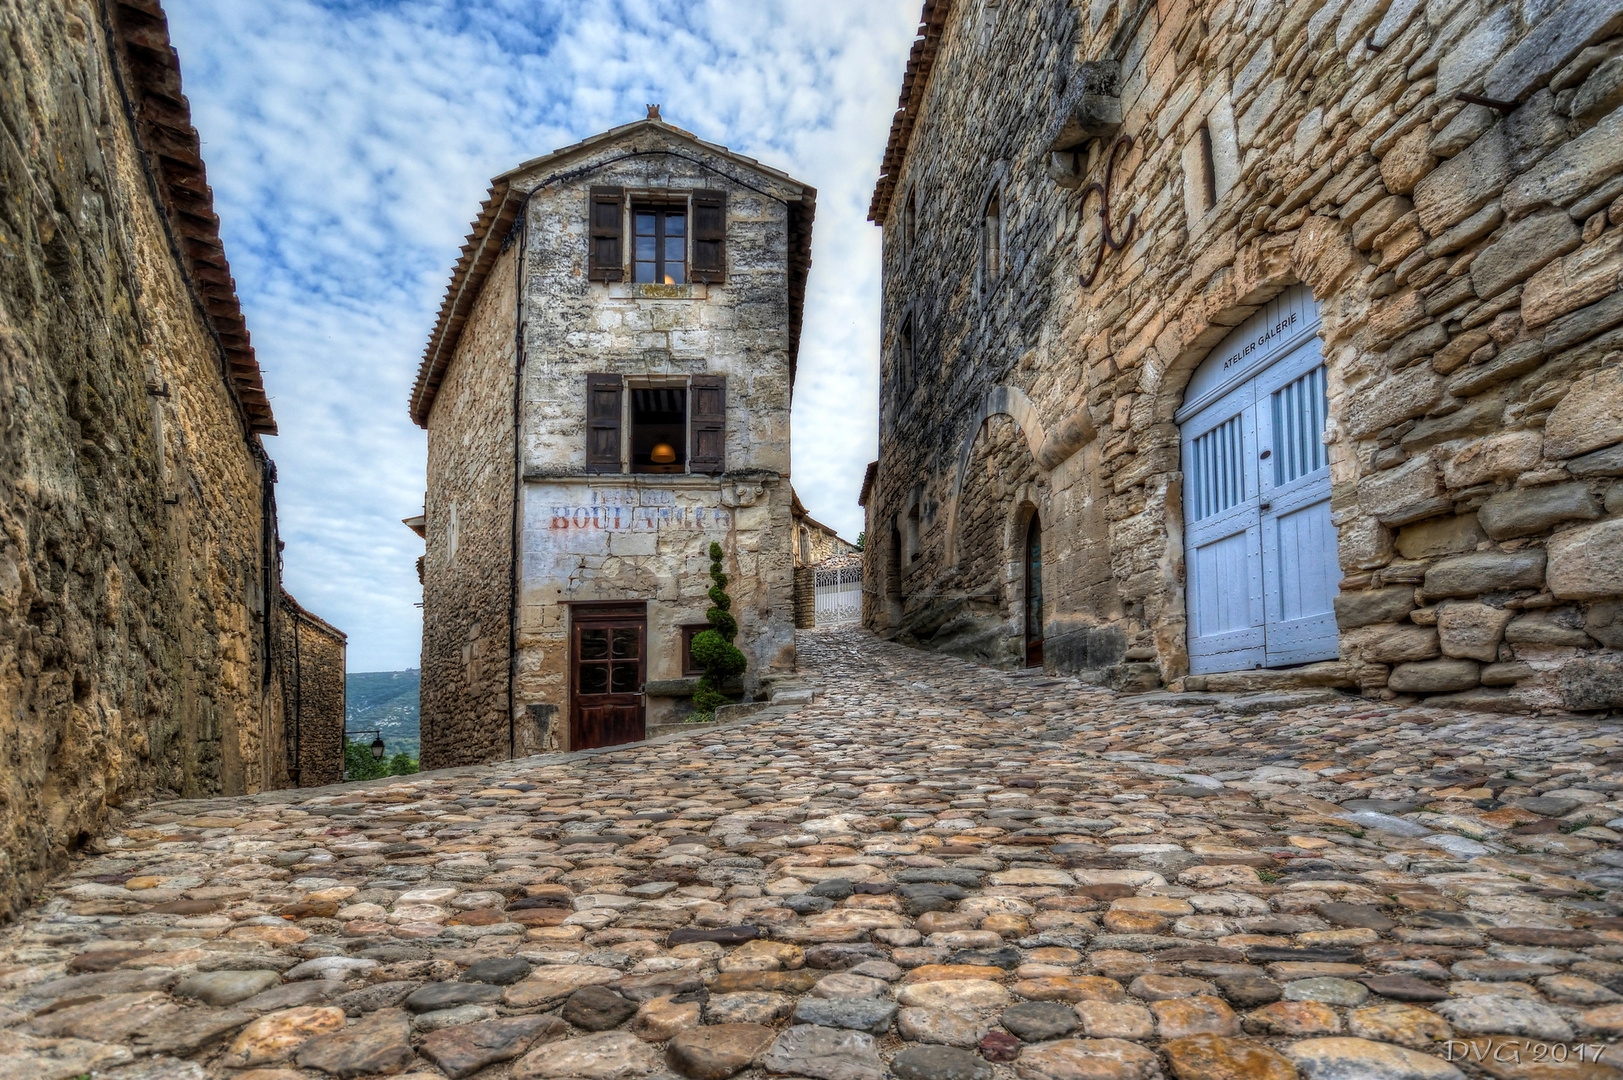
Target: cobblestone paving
{"points": [[934, 871]]}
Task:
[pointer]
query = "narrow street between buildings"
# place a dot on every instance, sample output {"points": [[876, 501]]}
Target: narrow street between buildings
{"points": [[933, 870]]}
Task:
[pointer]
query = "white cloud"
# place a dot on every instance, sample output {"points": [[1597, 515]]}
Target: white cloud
{"points": [[349, 146]]}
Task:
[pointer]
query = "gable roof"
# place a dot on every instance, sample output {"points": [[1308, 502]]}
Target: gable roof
{"points": [[149, 69], [915, 79], [501, 207]]}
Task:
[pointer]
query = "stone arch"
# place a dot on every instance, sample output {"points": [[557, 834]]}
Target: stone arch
{"points": [[1049, 448], [1027, 501]]}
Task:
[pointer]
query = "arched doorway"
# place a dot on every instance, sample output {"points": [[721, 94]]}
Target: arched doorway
{"points": [[1034, 592], [1259, 546]]}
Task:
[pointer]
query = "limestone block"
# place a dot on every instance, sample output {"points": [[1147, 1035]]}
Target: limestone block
{"points": [[1413, 346], [1548, 46], [1468, 125], [1465, 183], [1600, 93], [1608, 462], [1440, 536], [1506, 674], [1614, 499], [1434, 677], [1401, 397], [1324, 254], [1589, 274], [1452, 357], [1362, 543], [1398, 643], [1604, 623], [1262, 110], [1458, 68], [1498, 456], [1523, 247], [1533, 510], [1514, 362], [1390, 604], [1409, 159], [1553, 626], [1485, 571], [1407, 493], [1378, 218], [1480, 416], [1471, 631], [1586, 563], [1593, 682], [1577, 167], [1588, 418], [1584, 323]]}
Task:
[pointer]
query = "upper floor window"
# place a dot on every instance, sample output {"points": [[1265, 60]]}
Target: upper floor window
{"points": [[677, 237], [991, 242], [661, 251], [904, 354], [656, 424], [910, 221]]}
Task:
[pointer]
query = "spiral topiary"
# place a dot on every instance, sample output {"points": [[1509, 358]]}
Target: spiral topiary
{"points": [[714, 647]]}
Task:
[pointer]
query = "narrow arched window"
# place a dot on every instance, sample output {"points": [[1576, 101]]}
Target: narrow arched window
{"points": [[991, 242]]}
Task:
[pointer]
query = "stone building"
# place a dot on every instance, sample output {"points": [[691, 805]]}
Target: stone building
{"points": [[313, 667], [1235, 344], [139, 560], [814, 544], [607, 393]]}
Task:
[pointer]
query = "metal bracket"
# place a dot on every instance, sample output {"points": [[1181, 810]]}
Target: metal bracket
{"points": [[1369, 41], [1105, 239], [1505, 108]]}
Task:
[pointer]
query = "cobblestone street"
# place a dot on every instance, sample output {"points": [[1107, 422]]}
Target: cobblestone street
{"points": [[934, 870]]}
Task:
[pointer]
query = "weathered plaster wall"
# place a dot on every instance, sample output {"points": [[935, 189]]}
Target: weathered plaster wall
{"points": [[468, 509], [133, 497], [1466, 264]]}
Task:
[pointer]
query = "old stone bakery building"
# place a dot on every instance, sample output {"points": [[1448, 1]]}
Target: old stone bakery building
{"points": [[1235, 344], [607, 393]]}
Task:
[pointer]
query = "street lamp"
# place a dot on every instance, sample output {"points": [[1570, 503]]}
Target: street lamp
{"points": [[377, 743]]}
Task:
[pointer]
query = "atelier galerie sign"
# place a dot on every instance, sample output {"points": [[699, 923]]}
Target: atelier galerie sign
{"points": [[624, 510]]}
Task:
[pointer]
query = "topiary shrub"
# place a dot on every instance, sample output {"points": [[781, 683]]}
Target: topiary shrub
{"points": [[714, 647]]}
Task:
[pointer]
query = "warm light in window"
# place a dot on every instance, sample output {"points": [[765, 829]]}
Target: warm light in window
{"points": [[669, 280], [662, 454]]}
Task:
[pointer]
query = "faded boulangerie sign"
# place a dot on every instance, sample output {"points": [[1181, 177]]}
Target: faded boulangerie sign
{"points": [[631, 510]]}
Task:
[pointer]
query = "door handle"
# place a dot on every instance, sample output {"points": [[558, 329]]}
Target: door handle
{"points": [[1265, 455]]}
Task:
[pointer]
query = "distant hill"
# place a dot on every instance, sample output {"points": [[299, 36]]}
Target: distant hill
{"points": [[387, 701]]}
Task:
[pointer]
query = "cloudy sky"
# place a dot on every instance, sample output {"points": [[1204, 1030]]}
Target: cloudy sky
{"points": [[350, 143]]}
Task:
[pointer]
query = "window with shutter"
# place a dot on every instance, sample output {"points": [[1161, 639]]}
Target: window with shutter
{"points": [[606, 260], [710, 236], [603, 423], [708, 416]]}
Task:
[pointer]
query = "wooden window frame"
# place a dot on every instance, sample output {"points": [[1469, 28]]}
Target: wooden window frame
{"points": [[690, 666], [705, 430], [661, 206]]}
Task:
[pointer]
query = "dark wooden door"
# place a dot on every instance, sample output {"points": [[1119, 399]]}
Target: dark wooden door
{"points": [[1034, 593], [607, 665]]}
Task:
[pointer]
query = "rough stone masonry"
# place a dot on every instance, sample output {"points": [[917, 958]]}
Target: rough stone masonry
{"points": [[139, 568], [1435, 189]]}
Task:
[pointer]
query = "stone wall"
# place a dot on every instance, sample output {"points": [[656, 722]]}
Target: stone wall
{"points": [[468, 564], [1465, 260], [311, 658], [137, 529]]}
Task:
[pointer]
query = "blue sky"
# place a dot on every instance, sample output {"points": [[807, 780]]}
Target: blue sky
{"points": [[349, 145]]}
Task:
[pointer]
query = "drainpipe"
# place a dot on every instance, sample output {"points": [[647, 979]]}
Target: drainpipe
{"points": [[521, 227]]}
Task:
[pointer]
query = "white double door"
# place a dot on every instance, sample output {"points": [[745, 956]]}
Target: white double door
{"points": [[1260, 549]]}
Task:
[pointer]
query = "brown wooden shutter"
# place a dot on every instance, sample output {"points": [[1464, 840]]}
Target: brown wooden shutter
{"points": [[603, 423], [710, 236], [607, 261], [708, 418]]}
